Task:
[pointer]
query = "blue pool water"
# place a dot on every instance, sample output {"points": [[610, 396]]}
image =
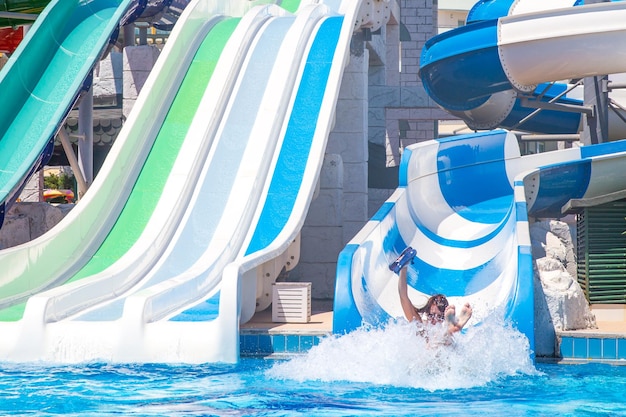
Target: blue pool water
{"points": [[362, 374], [246, 390]]}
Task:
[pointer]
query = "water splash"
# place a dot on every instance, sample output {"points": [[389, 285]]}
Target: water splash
{"points": [[397, 355]]}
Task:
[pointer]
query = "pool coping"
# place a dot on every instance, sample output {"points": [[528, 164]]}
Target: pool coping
{"points": [[262, 337]]}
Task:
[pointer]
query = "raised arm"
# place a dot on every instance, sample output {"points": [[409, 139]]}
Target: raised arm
{"points": [[410, 312]]}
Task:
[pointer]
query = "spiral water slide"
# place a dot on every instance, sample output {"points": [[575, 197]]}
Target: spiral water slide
{"points": [[515, 56], [244, 145], [464, 202]]}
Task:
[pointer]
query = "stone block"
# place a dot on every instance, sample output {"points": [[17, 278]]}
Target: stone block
{"points": [[355, 178], [353, 86], [352, 146], [414, 97], [108, 76], [133, 83], [350, 230], [384, 96], [376, 75], [331, 175], [376, 116], [321, 243], [377, 49], [326, 209], [355, 207], [15, 231], [140, 58], [27, 221], [320, 274], [376, 198], [127, 106], [32, 190], [351, 116], [378, 134]]}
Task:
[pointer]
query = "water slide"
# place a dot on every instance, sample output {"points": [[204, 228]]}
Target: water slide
{"points": [[242, 147], [464, 202], [15, 14], [44, 77], [475, 72]]}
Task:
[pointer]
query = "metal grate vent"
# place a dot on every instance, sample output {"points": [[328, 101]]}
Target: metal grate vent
{"points": [[601, 251]]}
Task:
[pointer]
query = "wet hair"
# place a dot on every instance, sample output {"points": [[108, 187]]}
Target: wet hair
{"points": [[440, 301]]}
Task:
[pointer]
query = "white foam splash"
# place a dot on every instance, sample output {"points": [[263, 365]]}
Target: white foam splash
{"points": [[396, 355]]}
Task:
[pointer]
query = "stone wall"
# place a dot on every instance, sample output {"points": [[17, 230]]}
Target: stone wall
{"points": [[137, 64], [107, 80], [27, 221]]}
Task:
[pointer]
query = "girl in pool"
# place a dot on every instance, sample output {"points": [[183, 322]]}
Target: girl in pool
{"points": [[437, 309]]}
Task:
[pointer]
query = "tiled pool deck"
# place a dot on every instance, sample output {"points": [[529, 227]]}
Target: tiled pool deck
{"points": [[262, 337], [607, 343]]}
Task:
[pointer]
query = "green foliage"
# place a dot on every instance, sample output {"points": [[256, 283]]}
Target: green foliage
{"points": [[59, 182]]}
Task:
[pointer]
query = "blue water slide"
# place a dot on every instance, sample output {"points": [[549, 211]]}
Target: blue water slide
{"points": [[456, 206], [464, 203], [488, 10], [463, 72]]}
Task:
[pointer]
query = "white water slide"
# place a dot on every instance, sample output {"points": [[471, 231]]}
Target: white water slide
{"points": [[464, 202], [232, 205]]}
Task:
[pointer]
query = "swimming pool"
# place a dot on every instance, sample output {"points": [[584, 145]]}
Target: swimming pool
{"points": [[245, 390], [364, 374]]}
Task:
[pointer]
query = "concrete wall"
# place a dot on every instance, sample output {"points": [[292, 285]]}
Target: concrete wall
{"points": [[400, 111]]}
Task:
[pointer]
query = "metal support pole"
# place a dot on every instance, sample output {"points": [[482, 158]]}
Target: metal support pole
{"points": [[143, 35], [18, 16], [539, 108], [596, 126], [85, 143], [615, 86], [71, 157], [552, 138], [129, 35]]}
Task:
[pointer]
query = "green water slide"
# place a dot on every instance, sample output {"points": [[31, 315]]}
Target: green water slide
{"points": [[43, 78], [134, 178]]}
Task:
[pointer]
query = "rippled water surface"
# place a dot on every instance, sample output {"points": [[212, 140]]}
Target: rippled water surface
{"points": [[388, 372]]}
